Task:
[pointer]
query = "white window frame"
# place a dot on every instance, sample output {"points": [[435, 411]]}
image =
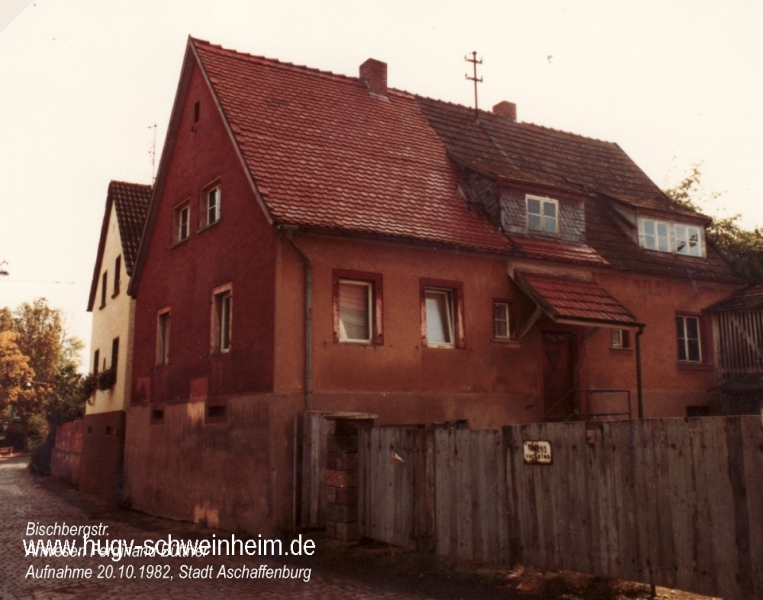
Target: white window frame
{"points": [[644, 236], [369, 288], [222, 319], [182, 222], [163, 327], [683, 339], [500, 319], [544, 219], [617, 339], [448, 319], [676, 240], [212, 209]]}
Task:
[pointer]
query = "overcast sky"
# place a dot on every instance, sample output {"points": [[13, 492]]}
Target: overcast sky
{"points": [[82, 82]]}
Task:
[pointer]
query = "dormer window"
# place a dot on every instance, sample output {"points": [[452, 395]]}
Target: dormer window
{"points": [[665, 236], [542, 214]]}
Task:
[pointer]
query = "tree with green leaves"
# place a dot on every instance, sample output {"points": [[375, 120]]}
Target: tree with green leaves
{"points": [[743, 248]]}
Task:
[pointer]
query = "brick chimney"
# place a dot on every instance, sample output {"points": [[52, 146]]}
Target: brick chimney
{"points": [[374, 74], [506, 109]]}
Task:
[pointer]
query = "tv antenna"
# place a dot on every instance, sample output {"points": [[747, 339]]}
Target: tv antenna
{"points": [[475, 79], [152, 152]]}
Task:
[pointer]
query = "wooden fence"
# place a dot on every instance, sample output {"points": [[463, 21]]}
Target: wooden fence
{"points": [[672, 502]]}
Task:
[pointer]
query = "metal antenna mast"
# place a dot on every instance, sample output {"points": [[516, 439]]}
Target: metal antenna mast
{"points": [[475, 79], [152, 152]]}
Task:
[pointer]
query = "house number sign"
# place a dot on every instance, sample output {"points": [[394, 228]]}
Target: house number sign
{"points": [[537, 453]]}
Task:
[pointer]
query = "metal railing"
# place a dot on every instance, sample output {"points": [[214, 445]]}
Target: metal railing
{"points": [[582, 406]]}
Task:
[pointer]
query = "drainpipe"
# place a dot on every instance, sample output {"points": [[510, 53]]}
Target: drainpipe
{"points": [[308, 321], [639, 388]]}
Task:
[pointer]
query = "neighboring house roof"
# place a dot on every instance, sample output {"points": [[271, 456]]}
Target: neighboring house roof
{"points": [[131, 202], [748, 298], [575, 302]]}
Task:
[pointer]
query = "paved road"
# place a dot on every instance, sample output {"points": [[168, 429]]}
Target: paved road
{"points": [[24, 499]]}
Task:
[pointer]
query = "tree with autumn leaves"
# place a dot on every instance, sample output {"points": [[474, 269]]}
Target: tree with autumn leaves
{"points": [[40, 383]]}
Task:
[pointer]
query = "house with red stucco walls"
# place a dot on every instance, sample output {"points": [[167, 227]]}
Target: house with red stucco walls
{"points": [[320, 242]]}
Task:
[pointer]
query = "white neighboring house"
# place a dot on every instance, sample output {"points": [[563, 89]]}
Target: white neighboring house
{"points": [[112, 338]]}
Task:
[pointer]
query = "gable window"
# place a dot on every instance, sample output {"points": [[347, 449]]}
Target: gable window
{"points": [[542, 214], [688, 240], [117, 274], [163, 337], [211, 205], [357, 307], [688, 333], [655, 235], [182, 222], [222, 302], [104, 284], [501, 321], [442, 314]]}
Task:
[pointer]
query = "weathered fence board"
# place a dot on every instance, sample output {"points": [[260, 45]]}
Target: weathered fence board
{"points": [[314, 470], [672, 502]]}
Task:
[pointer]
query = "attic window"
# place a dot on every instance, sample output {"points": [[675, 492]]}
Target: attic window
{"points": [[196, 112], [666, 236], [542, 214], [182, 222]]}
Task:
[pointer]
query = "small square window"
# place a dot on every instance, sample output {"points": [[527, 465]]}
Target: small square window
{"points": [[619, 338], [542, 214], [182, 222], [689, 343], [212, 205], [221, 321], [163, 337], [501, 320]]}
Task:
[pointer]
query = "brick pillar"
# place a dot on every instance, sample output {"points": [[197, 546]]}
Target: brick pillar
{"points": [[342, 477]]}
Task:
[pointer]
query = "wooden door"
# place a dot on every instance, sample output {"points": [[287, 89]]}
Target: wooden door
{"points": [[558, 369]]}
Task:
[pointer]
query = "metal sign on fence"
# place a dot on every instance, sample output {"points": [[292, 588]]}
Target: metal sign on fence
{"points": [[537, 453]]}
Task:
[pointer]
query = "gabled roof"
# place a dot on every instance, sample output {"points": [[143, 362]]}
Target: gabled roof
{"points": [[576, 302], [328, 155], [325, 155], [130, 202]]}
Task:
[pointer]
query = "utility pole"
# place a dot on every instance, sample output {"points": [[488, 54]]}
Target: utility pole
{"points": [[475, 79]]}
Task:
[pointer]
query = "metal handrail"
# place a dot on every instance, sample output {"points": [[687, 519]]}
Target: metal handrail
{"points": [[578, 414]]}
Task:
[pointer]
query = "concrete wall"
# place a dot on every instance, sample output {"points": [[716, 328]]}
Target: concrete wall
{"points": [[103, 437]]}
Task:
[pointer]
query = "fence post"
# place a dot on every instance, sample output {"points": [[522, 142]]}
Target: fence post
{"points": [[342, 475]]}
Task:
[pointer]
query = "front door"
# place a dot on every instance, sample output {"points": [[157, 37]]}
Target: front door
{"points": [[558, 349]]}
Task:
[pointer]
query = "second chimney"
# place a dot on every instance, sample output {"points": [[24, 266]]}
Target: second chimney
{"points": [[506, 109], [374, 74]]}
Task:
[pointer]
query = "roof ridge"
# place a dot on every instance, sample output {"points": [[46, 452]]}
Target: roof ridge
{"points": [[130, 183], [520, 123], [274, 62]]}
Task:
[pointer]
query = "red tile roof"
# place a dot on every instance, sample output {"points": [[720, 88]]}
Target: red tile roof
{"points": [[749, 298], [131, 203], [572, 300], [326, 154]]}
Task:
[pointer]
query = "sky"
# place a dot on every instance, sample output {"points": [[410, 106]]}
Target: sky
{"points": [[84, 82]]}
